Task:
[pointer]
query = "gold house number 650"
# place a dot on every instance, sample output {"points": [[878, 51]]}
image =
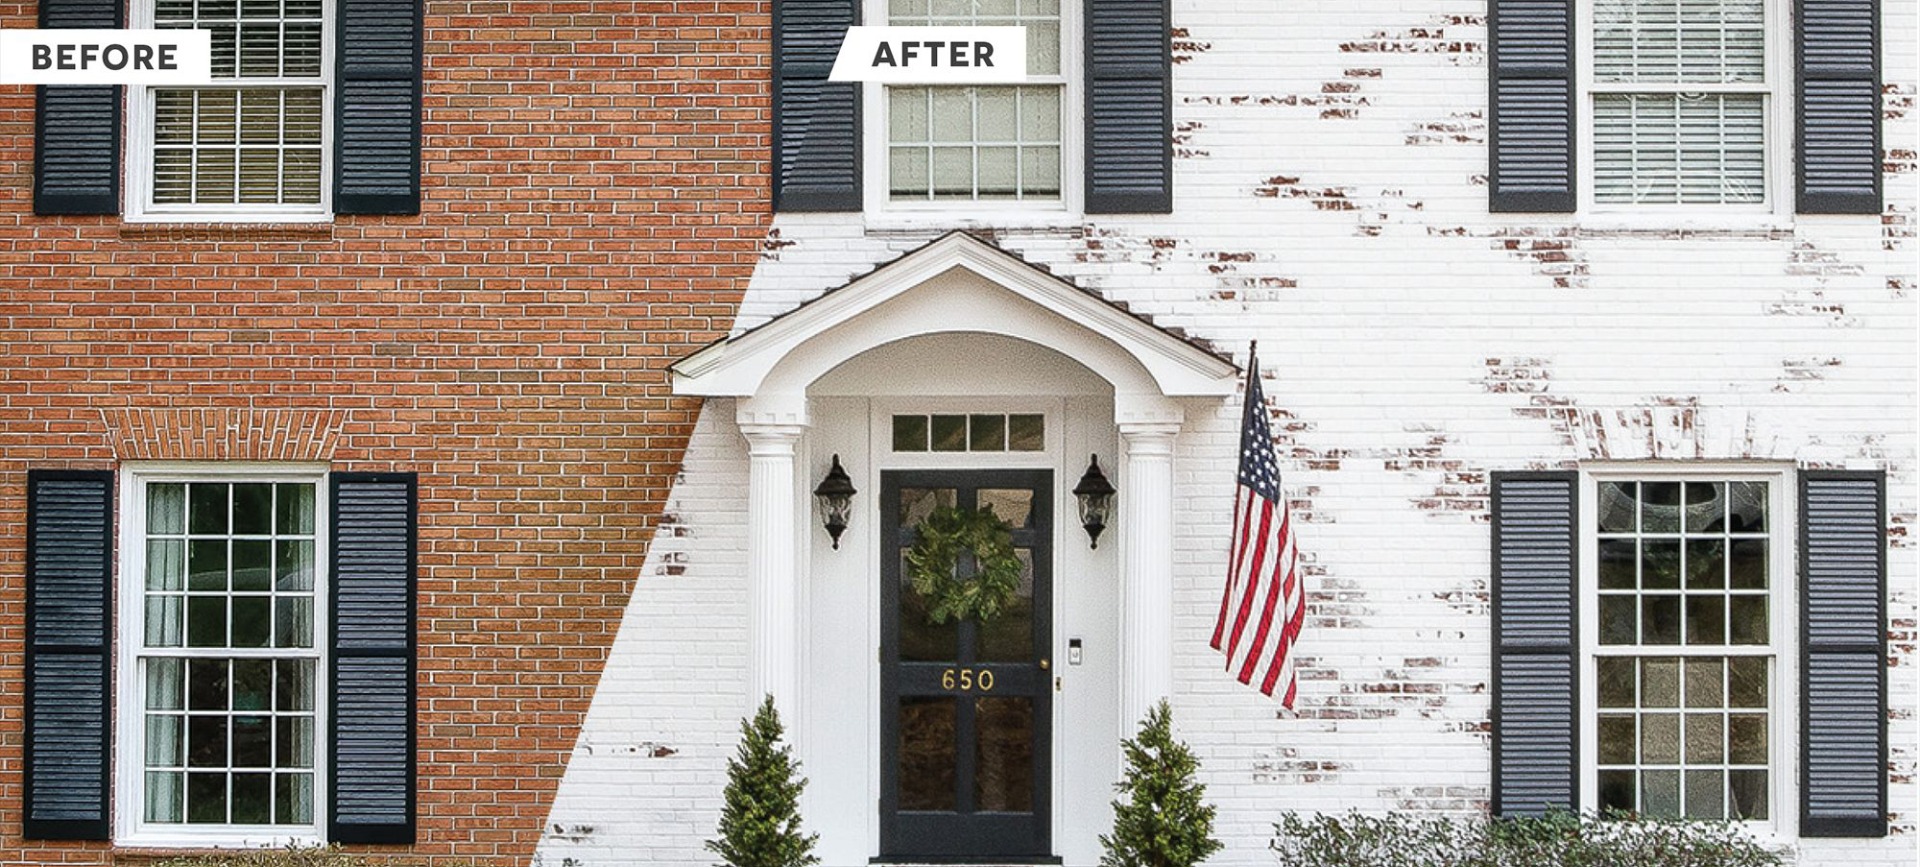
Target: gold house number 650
{"points": [[966, 679]]}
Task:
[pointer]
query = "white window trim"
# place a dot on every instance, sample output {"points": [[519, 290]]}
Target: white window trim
{"points": [[1777, 104], [140, 207], [884, 213], [1783, 700], [129, 815]]}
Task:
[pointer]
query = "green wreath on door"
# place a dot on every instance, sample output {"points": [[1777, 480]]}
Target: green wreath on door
{"points": [[931, 563]]}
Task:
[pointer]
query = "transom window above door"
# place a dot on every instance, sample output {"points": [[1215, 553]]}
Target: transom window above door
{"points": [[977, 144], [973, 432]]}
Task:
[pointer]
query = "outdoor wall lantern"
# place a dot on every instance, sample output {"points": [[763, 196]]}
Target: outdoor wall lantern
{"points": [[1096, 501], [835, 495]]}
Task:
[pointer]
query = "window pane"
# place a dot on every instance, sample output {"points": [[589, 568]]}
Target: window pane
{"points": [[293, 565], [1619, 620], [1706, 564], [1660, 738], [1026, 433], [252, 564], [293, 622], [1747, 507], [1706, 793], [166, 621], [293, 685], [166, 509], [949, 433], [1616, 681], [1619, 564], [165, 796], [1747, 568], [207, 798], [164, 738], [166, 684], [1660, 620], [1660, 565], [1746, 682], [207, 508], [166, 564], [1704, 682], [1706, 508], [1617, 738], [207, 621], [1747, 739], [1706, 738], [252, 799], [987, 433], [1660, 793], [206, 741], [293, 798], [252, 509], [909, 433], [1617, 791], [1749, 619], [1660, 682], [1707, 619], [1748, 794]]}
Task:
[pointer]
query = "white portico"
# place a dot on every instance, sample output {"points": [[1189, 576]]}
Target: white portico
{"points": [[958, 371]]}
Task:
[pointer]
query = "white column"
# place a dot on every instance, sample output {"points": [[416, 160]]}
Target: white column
{"points": [[773, 567], [1146, 592]]}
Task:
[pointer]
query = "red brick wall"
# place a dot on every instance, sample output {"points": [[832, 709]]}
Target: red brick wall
{"points": [[594, 195]]}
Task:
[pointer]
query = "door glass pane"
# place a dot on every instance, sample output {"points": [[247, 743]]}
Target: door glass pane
{"points": [[921, 641], [928, 757], [1009, 637], [949, 433], [917, 503], [1003, 737], [1013, 506]]}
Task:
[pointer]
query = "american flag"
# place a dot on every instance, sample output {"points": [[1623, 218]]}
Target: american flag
{"points": [[1264, 605]]}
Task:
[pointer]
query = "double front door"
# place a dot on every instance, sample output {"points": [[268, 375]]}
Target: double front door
{"points": [[965, 740]]}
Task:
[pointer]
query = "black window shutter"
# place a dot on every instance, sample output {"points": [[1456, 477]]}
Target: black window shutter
{"points": [[1837, 101], [76, 143], [1129, 79], [69, 654], [1843, 654], [1530, 162], [1536, 753], [377, 112], [816, 124], [372, 658]]}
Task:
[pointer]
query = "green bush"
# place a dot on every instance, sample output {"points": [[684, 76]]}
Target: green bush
{"points": [[1162, 818], [760, 824], [1561, 839]]}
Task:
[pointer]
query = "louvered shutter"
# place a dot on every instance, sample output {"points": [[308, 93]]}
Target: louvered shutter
{"points": [[1531, 158], [1838, 106], [68, 654], [1129, 129], [1843, 706], [377, 111], [1535, 676], [76, 145], [816, 124], [372, 658]]}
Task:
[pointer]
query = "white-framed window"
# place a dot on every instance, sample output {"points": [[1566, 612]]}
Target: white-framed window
{"points": [[1681, 104], [222, 704], [967, 149], [1685, 613], [257, 149]]}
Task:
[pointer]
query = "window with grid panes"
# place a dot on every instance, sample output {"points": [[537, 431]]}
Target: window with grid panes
{"points": [[228, 659], [1685, 664], [1679, 101], [979, 143], [257, 144]]}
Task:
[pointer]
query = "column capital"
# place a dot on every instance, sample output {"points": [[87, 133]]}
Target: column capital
{"points": [[1146, 409], [772, 410], [771, 439]]}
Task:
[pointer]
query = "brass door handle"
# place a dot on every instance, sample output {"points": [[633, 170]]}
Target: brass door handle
{"points": [[1045, 664]]}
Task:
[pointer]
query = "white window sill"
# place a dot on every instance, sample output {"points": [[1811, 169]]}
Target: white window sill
{"points": [[1692, 221], [206, 218], [174, 838], [971, 219]]}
